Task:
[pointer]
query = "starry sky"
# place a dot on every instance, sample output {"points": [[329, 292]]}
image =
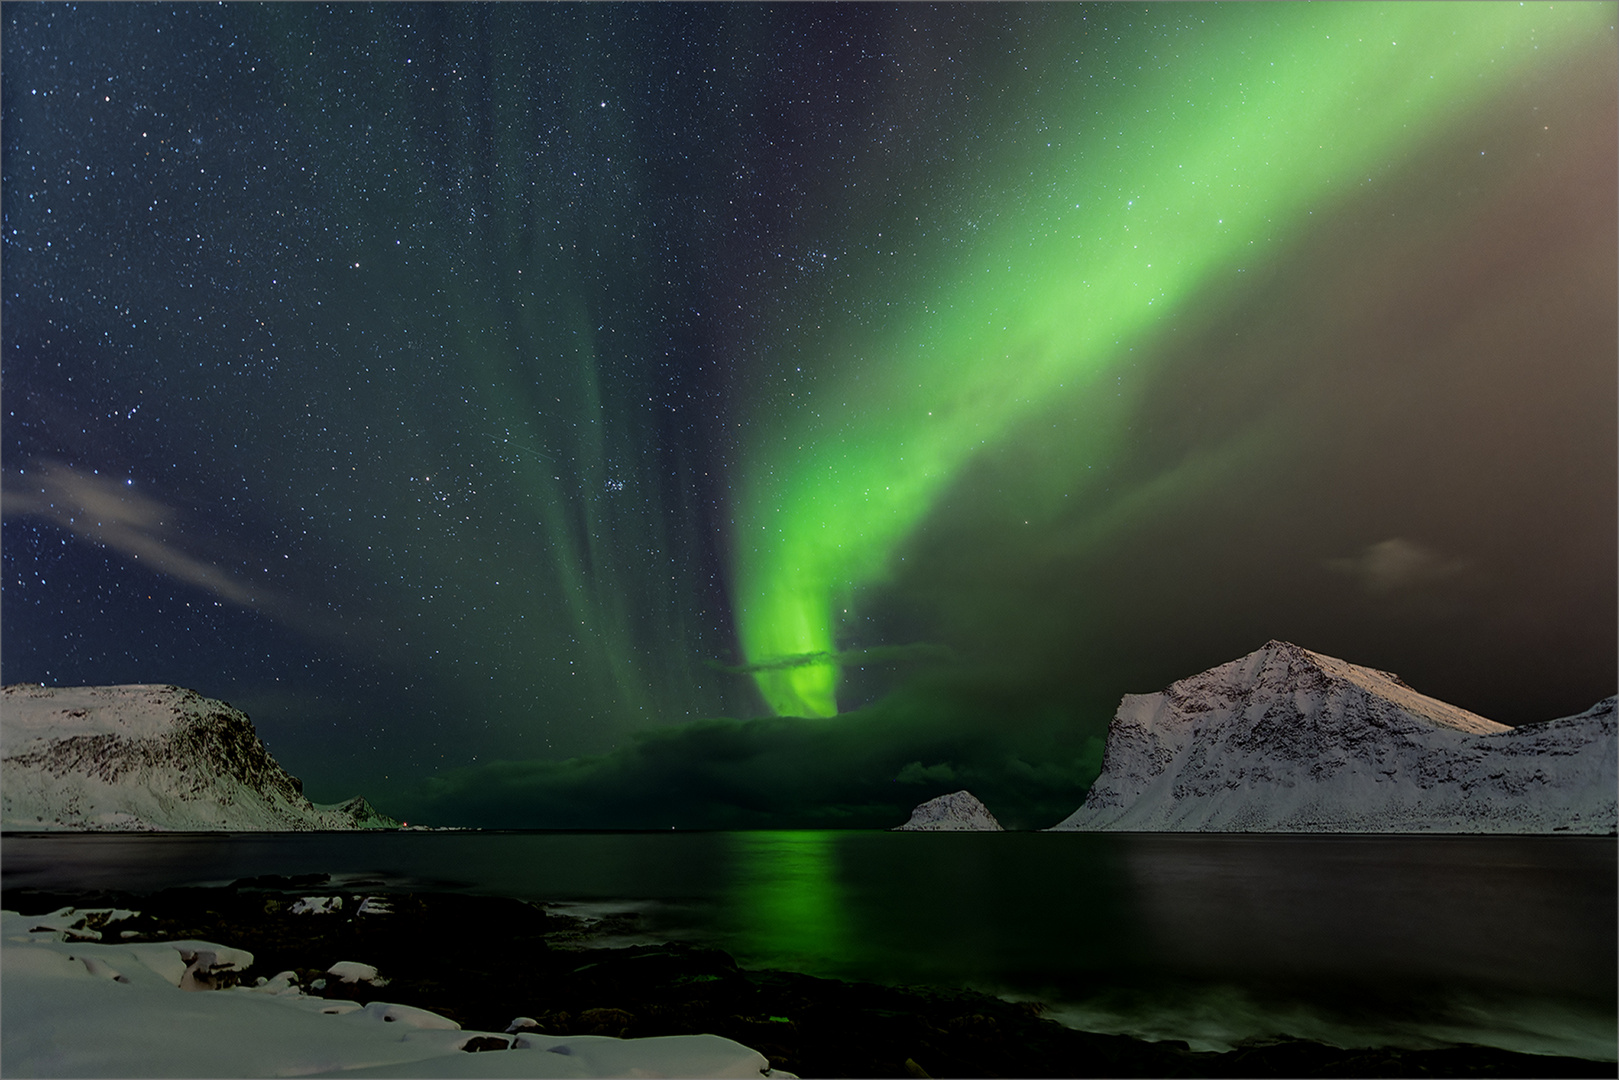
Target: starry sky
{"points": [[728, 416]]}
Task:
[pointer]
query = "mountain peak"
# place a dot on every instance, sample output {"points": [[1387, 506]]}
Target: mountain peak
{"points": [[1281, 669]]}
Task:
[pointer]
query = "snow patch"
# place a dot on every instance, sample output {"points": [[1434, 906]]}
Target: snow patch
{"points": [[317, 905], [352, 971]]}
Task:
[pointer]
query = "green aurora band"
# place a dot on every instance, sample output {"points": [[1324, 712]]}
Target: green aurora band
{"points": [[1253, 122]]}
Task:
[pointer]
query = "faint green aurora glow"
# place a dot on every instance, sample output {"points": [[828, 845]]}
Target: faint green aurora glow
{"points": [[1219, 158], [518, 460], [787, 889]]}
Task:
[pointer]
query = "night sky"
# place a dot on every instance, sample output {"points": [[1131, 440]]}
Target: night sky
{"points": [[634, 416]]}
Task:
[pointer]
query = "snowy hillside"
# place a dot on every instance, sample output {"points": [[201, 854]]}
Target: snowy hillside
{"points": [[1287, 740], [147, 758], [956, 812]]}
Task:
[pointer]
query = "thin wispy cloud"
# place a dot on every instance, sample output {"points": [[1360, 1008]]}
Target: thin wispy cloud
{"points": [[1397, 565], [113, 515]]}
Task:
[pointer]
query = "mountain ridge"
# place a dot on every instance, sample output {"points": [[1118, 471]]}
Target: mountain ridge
{"points": [[1286, 739], [148, 757]]}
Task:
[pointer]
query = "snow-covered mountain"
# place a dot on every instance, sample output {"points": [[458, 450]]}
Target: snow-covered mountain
{"points": [[956, 812], [1288, 740], [148, 758]]}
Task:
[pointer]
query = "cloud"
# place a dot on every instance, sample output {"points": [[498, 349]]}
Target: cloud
{"points": [[917, 773], [877, 654], [862, 769], [112, 515], [1397, 565]]}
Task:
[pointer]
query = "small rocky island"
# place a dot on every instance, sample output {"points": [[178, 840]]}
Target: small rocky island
{"points": [[955, 812], [149, 758]]}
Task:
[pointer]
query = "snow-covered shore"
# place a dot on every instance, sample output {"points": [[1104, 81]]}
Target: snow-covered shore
{"points": [[126, 992], [77, 1006]]}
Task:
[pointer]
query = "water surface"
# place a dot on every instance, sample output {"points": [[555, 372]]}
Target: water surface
{"points": [[1355, 940]]}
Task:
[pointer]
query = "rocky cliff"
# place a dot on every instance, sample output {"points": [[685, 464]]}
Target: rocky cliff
{"points": [[1288, 740], [147, 758], [956, 812]]}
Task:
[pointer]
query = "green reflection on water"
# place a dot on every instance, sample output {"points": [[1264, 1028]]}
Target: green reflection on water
{"points": [[787, 898]]}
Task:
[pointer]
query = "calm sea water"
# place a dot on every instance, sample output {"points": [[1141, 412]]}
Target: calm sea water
{"points": [[1412, 941]]}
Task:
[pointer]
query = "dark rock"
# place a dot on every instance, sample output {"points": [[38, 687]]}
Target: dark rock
{"points": [[613, 1022], [279, 881]]}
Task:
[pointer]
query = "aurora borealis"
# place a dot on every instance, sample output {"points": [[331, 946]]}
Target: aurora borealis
{"points": [[503, 404], [1230, 155]]}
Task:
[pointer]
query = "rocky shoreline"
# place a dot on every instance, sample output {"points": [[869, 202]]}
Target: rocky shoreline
{"points": [[486, 962]]}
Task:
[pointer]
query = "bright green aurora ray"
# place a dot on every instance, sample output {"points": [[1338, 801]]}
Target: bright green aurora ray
{"points": [[1266, 113]]}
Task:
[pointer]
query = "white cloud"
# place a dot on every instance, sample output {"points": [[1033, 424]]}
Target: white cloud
{"points": [[1397, 565], [113, 515]]}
